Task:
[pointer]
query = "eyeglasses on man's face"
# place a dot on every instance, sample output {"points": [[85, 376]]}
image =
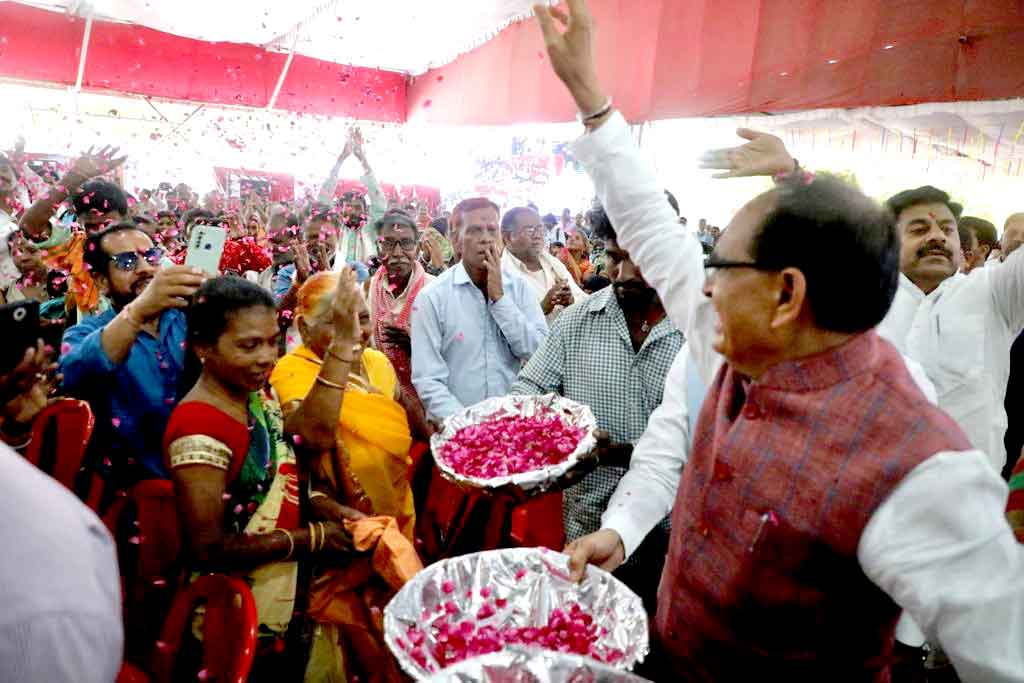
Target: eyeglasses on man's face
{"points": [[713, 264], [387, 245]]}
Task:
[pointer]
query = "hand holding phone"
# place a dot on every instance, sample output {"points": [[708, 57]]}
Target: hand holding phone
{"points": [[171, 287]]}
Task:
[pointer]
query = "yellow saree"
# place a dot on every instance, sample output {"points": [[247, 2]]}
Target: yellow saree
{"points": [[373, 435], [369, 471]]}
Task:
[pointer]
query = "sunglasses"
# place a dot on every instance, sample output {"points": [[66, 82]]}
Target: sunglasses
{"points": [[128, 261]]}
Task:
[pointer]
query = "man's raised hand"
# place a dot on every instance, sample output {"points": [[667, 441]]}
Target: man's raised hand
{"points": [[764, 155], [572, 51]]}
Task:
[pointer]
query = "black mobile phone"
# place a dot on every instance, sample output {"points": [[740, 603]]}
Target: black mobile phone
{"points": [[19, 330]]}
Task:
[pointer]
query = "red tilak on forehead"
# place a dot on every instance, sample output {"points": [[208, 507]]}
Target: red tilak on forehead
{"points": [[932, 216]]}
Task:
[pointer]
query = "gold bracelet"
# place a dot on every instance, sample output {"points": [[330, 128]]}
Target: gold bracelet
{"points": [[355, 349], [323, 535], [312, 537], [291, 543], [316, 494], [329, 383]]}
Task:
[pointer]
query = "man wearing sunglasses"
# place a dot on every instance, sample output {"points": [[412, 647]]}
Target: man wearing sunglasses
{"points": [[127, 360], [823, 492]]}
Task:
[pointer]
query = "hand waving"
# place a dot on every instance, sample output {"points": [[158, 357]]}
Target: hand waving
{"points": [[92, 164], [764, 155], [345, 308]]}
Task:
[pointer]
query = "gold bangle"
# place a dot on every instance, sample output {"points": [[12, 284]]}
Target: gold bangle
{"points": [[329, 383], [316, 494], [291, 543], [312, 537], [323, 535], [355, 349]]}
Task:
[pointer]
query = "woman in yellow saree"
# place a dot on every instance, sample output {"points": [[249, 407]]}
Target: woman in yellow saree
{"points": [[361, 477]]}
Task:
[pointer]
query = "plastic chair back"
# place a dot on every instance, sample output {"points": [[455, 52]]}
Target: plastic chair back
{"points": [[60, 436], [229, 629], [144, 522]]}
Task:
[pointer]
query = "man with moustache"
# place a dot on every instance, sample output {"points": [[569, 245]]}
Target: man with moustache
{"points": [[611, 352], [393, 291], [523, 234], [476, 324], [126, 361], [959, 327]]}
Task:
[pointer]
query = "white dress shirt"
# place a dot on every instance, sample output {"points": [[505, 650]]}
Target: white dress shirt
{"points": [[939, 546], [961, 332], [544, 279], [466, 348], [59, 586]]}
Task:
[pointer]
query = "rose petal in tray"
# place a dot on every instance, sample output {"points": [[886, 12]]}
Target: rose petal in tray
{"points": [[480, 603], [575, 416]]}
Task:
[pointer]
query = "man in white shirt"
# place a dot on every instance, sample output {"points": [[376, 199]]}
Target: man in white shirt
{"points": [[752, 586], [959, 327], [525, 253], [59, 586]]}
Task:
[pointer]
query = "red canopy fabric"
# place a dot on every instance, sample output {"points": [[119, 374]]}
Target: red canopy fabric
{"points": [[39, 45], [659, 58], [673, 58]]}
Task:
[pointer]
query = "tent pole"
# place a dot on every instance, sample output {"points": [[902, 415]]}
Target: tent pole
{"points": [[280, 79], [84, 51]]}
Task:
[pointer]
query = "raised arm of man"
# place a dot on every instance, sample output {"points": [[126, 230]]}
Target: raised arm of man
{"points": [[671, 259]]}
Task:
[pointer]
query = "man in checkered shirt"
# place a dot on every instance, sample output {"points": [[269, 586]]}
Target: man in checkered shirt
{"points": [[611, 352]]}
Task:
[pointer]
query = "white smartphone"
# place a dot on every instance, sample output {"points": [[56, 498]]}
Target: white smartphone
{"points": [[205, 247]]}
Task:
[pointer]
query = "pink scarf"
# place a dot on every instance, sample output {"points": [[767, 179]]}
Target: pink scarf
{"points": [[383, 299]]}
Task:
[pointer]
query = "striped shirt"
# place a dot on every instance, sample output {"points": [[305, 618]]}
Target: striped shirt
{"points": [[588, 357]]}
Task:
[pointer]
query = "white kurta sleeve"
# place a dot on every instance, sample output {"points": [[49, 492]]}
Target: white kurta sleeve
{"points": [[940, 546], [646, 493]]}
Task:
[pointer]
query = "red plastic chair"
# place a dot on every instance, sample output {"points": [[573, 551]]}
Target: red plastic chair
{"points": [[229, 632], [144, 522], [60, 436], [229, 629]]}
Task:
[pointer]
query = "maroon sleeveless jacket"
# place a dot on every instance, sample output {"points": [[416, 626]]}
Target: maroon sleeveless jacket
{"points": [[762, 576]]}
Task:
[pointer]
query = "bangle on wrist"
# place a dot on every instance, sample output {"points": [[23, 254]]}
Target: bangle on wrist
{"points": [[323, 535], [356, 348], [312, 537], [291, 543], [329, 383], [587, 118]]}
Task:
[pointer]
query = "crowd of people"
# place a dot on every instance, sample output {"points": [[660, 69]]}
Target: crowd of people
{"points": [[808, 456]]}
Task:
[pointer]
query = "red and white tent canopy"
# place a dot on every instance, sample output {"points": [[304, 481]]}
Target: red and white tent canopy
{"points": [[474, 61]]}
